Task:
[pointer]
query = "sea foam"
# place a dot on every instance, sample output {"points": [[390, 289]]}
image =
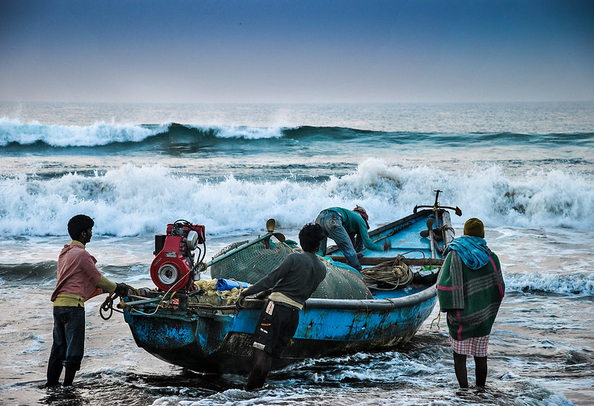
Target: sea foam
{"points": [[139, 200]]}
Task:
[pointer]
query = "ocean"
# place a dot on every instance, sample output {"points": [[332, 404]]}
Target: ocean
{"points": [[525, 169]]}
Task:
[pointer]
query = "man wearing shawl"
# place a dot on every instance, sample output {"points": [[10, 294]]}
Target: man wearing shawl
{"points": [[470, 289]]}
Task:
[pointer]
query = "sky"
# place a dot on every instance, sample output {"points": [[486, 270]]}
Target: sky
{"points": [[302, 51]]}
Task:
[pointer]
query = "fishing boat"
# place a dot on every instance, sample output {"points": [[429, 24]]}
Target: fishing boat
{"points": [[186, 324]]}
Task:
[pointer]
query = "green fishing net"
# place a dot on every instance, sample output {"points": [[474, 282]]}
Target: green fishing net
{"points": [[254, 262]]}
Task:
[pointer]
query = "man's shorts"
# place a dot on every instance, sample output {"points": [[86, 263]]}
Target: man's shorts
{"points": [[276, 327], [476, 346]]}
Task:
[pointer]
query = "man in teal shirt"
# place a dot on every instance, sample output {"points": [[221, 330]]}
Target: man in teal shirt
{"points": [[344, 226]]}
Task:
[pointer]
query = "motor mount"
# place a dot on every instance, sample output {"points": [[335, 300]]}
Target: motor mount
{"points": [[174, 263]]}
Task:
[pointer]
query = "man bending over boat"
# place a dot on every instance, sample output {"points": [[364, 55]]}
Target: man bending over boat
{"points": [[292, 283], [470, 289], [78, 280], [348, 229]]}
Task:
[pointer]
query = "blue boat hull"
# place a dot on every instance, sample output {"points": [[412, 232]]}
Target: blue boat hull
{"points": [[217, 339], [205, 341]]}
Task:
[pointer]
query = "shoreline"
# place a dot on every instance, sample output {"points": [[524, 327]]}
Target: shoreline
{"points": [[112, 356]]}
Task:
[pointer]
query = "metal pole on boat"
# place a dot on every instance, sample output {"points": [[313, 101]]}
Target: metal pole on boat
{"points": [[270, 224], [436, 206], [437, 209], [431, 236]]}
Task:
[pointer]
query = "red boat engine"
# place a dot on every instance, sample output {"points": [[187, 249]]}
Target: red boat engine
{"points": [[175, 262]]}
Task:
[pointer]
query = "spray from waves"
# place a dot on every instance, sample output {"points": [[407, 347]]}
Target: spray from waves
{"points": [[540, 198], [251, 133], [139, 200]]}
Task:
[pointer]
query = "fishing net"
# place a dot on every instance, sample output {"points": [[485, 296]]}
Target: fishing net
{"points": [[254, 262], [251, 263]]}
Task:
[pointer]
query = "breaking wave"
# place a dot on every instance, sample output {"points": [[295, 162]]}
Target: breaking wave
{"points": [[34, 136], [138, 200]]}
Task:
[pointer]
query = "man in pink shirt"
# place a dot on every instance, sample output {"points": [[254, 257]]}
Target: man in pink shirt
{"points": [[78, 280]]}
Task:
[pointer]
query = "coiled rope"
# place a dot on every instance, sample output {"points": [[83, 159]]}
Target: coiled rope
{"points": [[106, 310], [107, 307], [388, 275]]}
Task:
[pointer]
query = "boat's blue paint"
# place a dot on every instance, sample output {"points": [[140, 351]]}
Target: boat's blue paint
{"points": [[218, 339], [356, 325], [164, 335]]}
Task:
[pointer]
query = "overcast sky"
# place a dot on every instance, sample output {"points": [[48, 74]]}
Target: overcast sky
{"points": [[296, 51]]}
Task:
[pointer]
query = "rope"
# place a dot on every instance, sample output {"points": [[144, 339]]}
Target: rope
{"points": [[388, 275], [438, 318], [206, 288], [107, 306], [161, 304]]}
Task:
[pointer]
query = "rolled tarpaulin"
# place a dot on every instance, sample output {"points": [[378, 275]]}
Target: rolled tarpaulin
{"points": [[228, 284]]}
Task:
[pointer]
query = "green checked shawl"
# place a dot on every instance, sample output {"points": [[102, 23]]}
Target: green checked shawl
{"points": [[470, 297]]}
